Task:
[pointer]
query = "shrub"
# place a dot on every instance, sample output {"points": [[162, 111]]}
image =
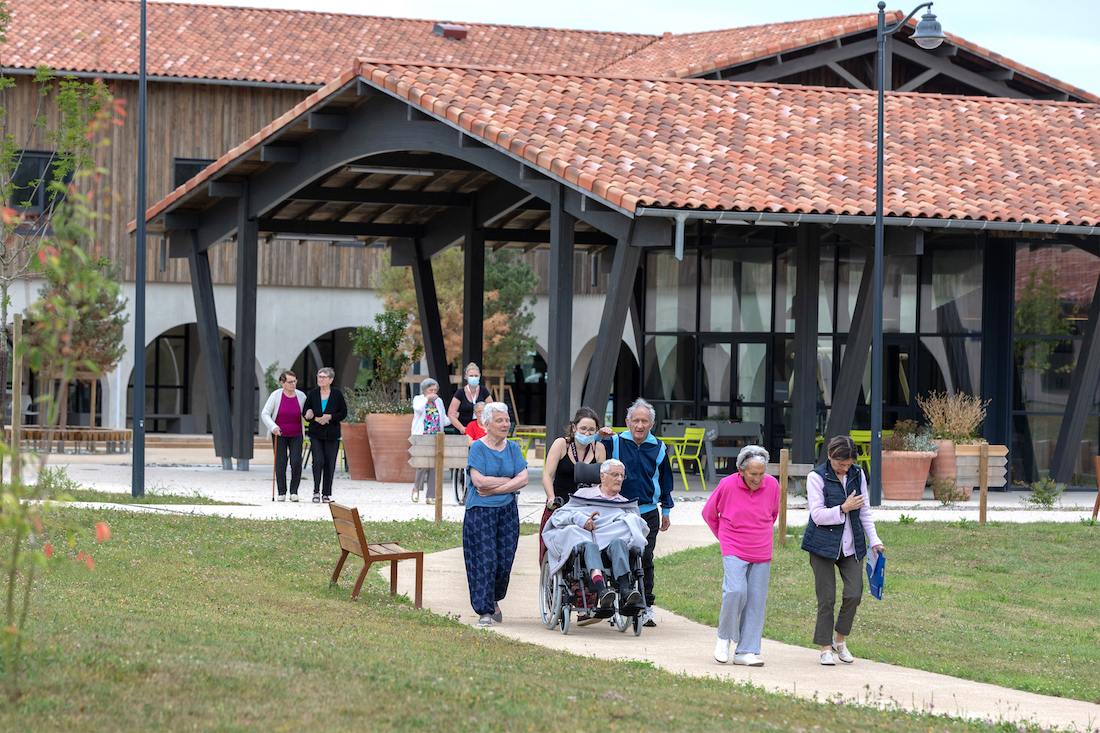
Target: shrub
{"points": [[908, 436], [946, 492], [953, 417], [1044, 493]]}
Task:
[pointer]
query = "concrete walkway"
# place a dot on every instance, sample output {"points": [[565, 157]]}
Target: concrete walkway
{"points": [[677, 644]]}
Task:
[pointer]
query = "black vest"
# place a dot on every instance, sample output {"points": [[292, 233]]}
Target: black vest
{"points": [[825, 540]]}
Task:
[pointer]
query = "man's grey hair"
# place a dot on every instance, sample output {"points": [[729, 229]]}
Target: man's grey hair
{"points": [[752, 453], [641, 403], [428, 384], [329, 371], [492, 408], [606, 467]]}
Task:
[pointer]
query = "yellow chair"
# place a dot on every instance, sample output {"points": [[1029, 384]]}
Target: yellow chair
{"points": [[689, 449]]}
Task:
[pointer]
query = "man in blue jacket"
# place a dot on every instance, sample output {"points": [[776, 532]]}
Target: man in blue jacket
{"points": [[648, 480]]}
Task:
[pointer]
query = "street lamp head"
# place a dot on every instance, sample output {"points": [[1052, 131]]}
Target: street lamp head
{"points": [[928, 34]]}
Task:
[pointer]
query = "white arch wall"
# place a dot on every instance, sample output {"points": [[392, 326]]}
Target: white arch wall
{"points": [[587, 313], [288, 319]]}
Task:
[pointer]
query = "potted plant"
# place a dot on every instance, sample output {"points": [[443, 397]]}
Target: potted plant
{"points": [[384, 410], [953, 420], [907, 453], [353, 432]]}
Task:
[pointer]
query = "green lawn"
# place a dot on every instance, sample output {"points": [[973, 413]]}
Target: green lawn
{"points": [[151, 496], [1016, 605], [216, 624]]}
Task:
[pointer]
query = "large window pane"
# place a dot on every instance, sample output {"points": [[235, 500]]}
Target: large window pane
{"points": [[899, 295], [716, 372], [736, 290], [670, 292], [1054, 289], [1043, 371], [826, 288], [785, 277], [752, 372], [851, 261], [670, 368], [950, 365], [951, 293]]}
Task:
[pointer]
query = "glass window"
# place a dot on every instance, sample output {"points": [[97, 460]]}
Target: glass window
{"points": [[952, 365], [716, 362], [951, 291], [184, 169], [670, 368], [785, 278], [1043, 371], [1054, 289], [826, 288], [736, 290], [899, 295], [670, 292], [851, 261], [31, 181]]}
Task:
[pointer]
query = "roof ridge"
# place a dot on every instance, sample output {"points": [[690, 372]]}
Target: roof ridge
{"points": [[375, 62], [288, 11], [785, 22]]}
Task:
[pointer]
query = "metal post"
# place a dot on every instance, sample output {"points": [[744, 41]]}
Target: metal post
{"points": [[17, 400], [560, 313], [876, 320], [137, 483]]}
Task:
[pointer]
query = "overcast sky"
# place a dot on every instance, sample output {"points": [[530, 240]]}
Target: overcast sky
{"points": [[1057, 37]]}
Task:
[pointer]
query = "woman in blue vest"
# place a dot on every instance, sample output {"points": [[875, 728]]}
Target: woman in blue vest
{"points": [[838, 533]]}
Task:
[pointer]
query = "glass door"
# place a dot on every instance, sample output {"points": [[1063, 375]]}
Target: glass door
{"points": [[734, 379]]}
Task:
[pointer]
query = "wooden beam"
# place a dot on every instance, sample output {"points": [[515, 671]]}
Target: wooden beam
{"points": [[559, 345], [846, 75], [806, 63], [430, 324], [473, 293], [919, 80], [278, 154], [321, 121], [225, 189], [542, 236], [958, 73], [381, 196], [340, 228], [804, 399], [244, 346]]}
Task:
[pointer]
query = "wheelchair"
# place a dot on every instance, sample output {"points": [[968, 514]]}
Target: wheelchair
{"points": [[570, 590]]}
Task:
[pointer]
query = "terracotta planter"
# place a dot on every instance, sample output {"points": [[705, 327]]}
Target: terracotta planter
{"points": [[389, 446], [904, 474], [943, 465], [357, 450]]}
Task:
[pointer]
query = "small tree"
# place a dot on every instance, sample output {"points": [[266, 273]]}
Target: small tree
{"points": [[509, 287], [1039, 313], [388, 359]]}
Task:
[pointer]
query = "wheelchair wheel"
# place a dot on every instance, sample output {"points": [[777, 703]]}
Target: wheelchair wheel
{"points": [[638, 625], [549, 595], [621, 622], [458, 478], [564, 617]]}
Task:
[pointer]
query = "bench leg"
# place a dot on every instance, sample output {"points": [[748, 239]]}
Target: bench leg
{"points": [[393, 577], [359, 581], [339, 568], [419, 580]]}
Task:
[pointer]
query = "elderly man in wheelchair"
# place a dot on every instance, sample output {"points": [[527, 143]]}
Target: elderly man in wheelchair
{"points": [[595, 531]]}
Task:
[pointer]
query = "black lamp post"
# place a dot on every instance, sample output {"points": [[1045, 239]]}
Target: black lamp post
{"points": [[137, 481], [927, 35]]}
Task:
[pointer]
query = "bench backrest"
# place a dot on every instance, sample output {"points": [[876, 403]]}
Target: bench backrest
{"points": [[349, 530]]}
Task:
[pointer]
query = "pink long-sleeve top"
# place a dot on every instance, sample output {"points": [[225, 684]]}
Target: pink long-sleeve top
{"points": [[742, 520], [823, 515]]}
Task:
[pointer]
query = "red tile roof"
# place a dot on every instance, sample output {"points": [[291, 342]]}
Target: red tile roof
{"points": [[264, 45], [690, 54], [773, 148]]}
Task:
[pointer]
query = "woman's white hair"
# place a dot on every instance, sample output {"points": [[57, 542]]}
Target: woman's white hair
{"points": [[492, 408], [428, 384], [752, 453], [606, 466], [641, 403]]}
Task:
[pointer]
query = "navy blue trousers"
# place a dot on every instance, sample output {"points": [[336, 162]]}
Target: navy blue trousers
{"points": [[489, 539]]}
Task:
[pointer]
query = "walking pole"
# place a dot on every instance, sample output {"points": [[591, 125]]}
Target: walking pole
{"points": [[275, 460]]}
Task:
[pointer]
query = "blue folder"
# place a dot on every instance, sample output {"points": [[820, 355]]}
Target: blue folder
{"points": [[876, 574]]}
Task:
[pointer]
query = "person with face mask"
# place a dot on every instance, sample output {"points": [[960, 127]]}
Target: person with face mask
{"points": [[461, 410]]}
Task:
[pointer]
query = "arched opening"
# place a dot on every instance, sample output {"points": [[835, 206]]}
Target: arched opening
{"points": [[332, 349]]}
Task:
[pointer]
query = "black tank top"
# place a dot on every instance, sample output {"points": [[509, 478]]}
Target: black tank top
{"points": [[465, 407], [564, 481]]}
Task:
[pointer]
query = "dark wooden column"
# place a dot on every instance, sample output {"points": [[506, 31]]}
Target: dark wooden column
{"points": [[473, 295], [804, 398], [1082, 389], [244, 352], [559, 343], [850, 380], [997, 350], [616, 305], [217, 390], [430, 325]]}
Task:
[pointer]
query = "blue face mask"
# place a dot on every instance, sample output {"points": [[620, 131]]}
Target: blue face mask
{"points": [[585, 439], [474, 381]]}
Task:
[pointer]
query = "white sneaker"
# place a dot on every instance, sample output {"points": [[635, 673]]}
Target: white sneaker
{"points": [[647, 618], [282, 497], [827, 658], [722, 650], [842, 652], [748, 660], [294, 497]]}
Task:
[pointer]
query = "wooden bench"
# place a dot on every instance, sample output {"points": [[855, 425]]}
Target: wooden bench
{"points": [[349, 532]]}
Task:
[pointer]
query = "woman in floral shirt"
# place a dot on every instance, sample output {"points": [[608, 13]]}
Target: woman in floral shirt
{"points": [[429, 418]]}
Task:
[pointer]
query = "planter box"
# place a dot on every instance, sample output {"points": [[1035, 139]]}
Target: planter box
{"points": [[389, 446], [904, 474], [357, 450]]}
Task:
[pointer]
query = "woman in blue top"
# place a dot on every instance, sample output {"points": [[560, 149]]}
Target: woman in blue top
{"points": [[490, 531]]}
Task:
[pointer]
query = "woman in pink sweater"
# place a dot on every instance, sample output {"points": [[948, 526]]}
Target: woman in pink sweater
{"points": [[741, 513]]}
